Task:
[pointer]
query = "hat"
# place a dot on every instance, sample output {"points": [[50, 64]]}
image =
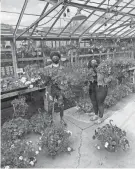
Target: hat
{"points": [[55, 53]]}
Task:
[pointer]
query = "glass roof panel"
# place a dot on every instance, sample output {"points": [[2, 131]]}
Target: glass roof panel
{"points": [[35, 7], [12, 5], [10, 19], [95, 23]]}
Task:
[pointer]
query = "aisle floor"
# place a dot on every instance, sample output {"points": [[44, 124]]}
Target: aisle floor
{"points": [[85, 154]]}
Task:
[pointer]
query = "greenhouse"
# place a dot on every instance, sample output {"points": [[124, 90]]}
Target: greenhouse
{"points": [[67, 83]]}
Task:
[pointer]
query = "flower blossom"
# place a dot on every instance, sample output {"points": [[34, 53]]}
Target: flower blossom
{"points": [[7, 167], [69, 148], [40, 148], [106, 144], [98, 147], [69, 132], [37, 152], [31, 163], [21, 158]]}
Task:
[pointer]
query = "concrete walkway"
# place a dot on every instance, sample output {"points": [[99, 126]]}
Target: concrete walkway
{"points": [[85, 154]]}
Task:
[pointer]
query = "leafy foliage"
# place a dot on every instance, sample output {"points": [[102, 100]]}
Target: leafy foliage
{"points": [[116, 70], [84, 106], [117, 94], [55, 140], [11, 84], [18, 154], [20, 107], [112, 137], [39, 122], [15, 129]]}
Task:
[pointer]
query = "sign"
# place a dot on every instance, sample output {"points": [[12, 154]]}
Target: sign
{"points": [[20, 70]]}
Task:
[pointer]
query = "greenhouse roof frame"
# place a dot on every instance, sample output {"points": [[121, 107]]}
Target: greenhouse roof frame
{"points": [[114, 22]]}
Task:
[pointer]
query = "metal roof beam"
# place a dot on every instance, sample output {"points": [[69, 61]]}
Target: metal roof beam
{"points": [[41, 17], [56, 20], [112, 16], [99, 9], [117, 28], [91, 26], [70, 21], [122, 25], [129, 31], [117, 21], [86, 19], [46, 6], [20, 17], [133, 35]]}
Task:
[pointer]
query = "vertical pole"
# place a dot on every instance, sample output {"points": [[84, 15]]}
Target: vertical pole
{"points": [[55, 44], [132, 55], [134, 77], [44, 57], [13, 45]]}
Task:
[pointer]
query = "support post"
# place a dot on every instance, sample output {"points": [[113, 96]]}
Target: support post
{"points": [[13, 45], [134, 77], [44, 57]]}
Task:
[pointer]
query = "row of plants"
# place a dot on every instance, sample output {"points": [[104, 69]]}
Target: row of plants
{"points": [[11, 84], [17, 152], [114, 96], [118, 93], [71, 79]]}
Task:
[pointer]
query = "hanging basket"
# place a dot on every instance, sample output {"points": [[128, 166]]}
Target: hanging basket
{"points": [[112, 137]]}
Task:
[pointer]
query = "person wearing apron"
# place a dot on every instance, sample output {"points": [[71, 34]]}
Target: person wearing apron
{"points": [[55, 96]]}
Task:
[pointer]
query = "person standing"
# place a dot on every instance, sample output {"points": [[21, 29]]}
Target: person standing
{"points": [[54, 91], [97, 91]]}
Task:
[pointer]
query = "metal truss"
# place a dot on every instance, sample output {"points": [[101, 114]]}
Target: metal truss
{"points": [[46, 6], [111, 17], [70, 21], [41, 17], [111, 30], [20, 17], [91, 26]]}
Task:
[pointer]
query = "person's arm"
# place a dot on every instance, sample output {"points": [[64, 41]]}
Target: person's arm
{"points": [[87, 82]]}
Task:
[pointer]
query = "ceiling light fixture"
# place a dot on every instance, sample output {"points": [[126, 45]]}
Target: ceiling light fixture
{"points": [[79, 16]]}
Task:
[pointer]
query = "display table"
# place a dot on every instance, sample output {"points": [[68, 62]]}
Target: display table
{"points": [[21, 92]]}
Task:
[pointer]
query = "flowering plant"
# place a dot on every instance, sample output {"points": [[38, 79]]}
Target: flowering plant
{"points": [[84, 105], [15, 128], [112, 137], [115, 70], [39, 122], [55, 140], [20, 107], [19, 154], [117, 94]]}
